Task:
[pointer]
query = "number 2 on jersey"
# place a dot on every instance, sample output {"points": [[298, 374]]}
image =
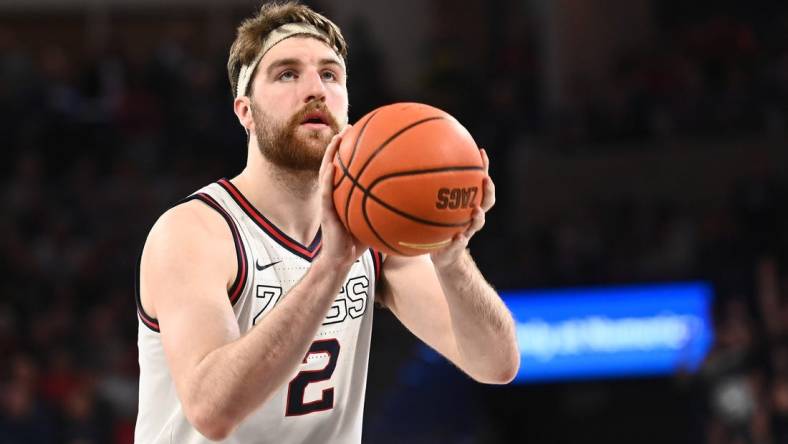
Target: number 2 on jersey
{"points": [[295, 391]]}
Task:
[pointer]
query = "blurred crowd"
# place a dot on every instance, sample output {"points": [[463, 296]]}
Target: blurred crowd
{"points": [[720, 77], [713, 76], [100, 140]]}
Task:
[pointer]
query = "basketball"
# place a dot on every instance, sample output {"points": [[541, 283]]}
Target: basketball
{"points": [[407, 178]]}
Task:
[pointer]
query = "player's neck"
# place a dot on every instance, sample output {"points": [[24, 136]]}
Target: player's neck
{"points": [[287, 198]]}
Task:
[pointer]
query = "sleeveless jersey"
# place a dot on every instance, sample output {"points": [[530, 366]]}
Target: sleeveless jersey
{"points": [[324, 399]]}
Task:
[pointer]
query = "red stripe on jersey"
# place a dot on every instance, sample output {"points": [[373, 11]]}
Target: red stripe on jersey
{"points": [[286, 241], [149, 322], [152, 324], [376, 261], [238, 284]]}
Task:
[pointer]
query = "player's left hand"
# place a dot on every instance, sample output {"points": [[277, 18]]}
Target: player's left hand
{"points": [[449, 254]]}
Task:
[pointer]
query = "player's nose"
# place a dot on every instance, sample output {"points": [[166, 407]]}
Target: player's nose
{"points": [[314, 88]]}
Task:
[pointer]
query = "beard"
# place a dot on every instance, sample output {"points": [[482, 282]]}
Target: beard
{"points": [[288, 145]]}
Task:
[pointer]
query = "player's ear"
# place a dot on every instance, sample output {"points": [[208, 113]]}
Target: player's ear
{"points": [[242, 106]]}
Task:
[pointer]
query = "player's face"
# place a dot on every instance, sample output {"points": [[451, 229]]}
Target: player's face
{"points": [[299, 102]]}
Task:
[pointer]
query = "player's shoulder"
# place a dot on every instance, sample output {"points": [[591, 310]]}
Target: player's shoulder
{"points": [[188, 223], [188, 247]]}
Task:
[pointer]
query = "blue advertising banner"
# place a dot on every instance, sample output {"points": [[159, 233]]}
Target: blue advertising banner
{"points": [[606, 332]]}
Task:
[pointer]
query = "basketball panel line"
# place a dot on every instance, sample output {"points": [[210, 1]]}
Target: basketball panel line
{"points": [[355, 147], [411, 217], [374, 154]]}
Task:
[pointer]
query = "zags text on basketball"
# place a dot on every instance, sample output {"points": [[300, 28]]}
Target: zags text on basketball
{"points": [[455, 198]]}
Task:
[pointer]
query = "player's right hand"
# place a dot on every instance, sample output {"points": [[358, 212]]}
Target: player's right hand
{"points": [[339, 246]]}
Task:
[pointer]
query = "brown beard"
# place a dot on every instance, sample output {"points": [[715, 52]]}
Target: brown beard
{"points": [[283, 147]]}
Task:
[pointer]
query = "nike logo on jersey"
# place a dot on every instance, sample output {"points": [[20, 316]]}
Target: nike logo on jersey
{"points": [[263, 267]]}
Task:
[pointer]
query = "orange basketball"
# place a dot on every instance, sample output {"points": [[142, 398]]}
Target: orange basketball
{"points": [[406, 179]]}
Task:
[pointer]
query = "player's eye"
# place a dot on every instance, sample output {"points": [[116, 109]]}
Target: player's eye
{"points": [[329, 75], [286, 75]]}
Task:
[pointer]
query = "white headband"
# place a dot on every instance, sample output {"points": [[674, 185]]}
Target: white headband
{"points": [[274, 37]]}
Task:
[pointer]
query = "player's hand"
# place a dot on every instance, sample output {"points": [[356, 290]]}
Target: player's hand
{"points": [[339, 246], [449, 254]]}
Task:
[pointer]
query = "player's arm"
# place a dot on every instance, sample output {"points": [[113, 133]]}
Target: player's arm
{"points": [[221, 376], [456, 312], [446, 302]]}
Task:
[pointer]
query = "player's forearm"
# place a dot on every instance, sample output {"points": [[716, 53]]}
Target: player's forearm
{"points": [[483, 326], [232, 381]]}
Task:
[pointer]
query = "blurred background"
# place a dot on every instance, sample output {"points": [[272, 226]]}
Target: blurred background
{"points": [[632, 142]]}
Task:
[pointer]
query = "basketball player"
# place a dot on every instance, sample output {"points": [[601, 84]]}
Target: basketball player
{"points": [[255, 303]]}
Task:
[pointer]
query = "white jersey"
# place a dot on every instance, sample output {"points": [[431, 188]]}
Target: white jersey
{"points": [[323, 401]]}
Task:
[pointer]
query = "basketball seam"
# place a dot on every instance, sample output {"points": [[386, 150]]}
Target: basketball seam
{"points": [[371, 227], [417, 172], [373, 155], [368, 194], [364, 213], [355, 147]]}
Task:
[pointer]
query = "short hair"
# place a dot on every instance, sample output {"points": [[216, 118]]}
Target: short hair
{"points": [[253, 31]]}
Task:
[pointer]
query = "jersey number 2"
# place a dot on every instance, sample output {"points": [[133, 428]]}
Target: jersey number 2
{"points": [[295, 391]]}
